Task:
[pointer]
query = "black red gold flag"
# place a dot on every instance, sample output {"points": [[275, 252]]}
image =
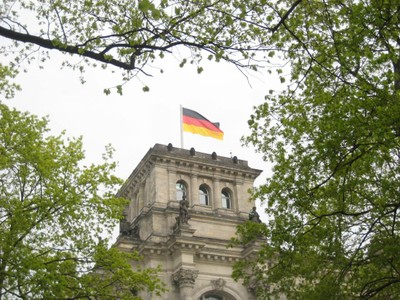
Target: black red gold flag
{"points": [[195, 123]]}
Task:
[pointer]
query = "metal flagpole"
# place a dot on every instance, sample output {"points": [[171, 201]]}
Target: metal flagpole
{"points": [[181, 113]]}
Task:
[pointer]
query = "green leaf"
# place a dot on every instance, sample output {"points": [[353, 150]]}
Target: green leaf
{"points": [[119, 89], [182, 63], [144, 5], [49, 238]]}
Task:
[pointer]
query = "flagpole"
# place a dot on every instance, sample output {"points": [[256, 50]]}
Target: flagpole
{"points": [[181, 113]]}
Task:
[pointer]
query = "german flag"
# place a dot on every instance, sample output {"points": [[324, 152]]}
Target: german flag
{"points": [[195, 123]]}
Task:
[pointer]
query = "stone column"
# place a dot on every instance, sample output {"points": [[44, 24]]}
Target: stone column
{"points": [[216, 199], [185, 279], [237, 194], [141, 197], [251, 289], [135, 206], [194, 190], [172, 185]]}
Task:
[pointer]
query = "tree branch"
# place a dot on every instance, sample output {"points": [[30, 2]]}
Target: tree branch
{"points": [[285, 16], [27, 38]]}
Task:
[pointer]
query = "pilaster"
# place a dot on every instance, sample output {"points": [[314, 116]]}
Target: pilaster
{"points": [[185, 279], [194, 191], [216, 194]]}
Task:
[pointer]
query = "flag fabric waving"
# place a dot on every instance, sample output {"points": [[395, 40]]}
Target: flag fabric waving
{"points": [[195, 123]]}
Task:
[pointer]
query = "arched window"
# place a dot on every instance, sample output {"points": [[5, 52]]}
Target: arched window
{"points": [[217, 295], [226, 198], [180, 190], [204, 195], [212, 297]]}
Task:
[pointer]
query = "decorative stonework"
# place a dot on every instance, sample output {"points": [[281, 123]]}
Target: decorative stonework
{"points": [[188, 239], [129, 232], [252, 286], [185, 277], [184, 216], [251, 289], [219, 257], [218, 284]]}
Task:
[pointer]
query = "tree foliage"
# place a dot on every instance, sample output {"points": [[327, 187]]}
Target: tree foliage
{"points": [[7, 87], [131, 35], [333, 138], [53, 212]]}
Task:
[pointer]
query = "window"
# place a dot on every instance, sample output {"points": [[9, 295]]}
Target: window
{"points": [[226, 198], [180, 190], [204, 195], [212, 297], [216, 295]]}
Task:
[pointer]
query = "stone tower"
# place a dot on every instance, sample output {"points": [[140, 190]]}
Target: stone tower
{"points": [[190, 248]]}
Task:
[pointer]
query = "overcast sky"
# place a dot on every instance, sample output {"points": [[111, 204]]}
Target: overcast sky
{"points": [[136, 121]]}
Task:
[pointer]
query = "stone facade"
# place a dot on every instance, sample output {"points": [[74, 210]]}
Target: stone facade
{"points": [[193, 255]]}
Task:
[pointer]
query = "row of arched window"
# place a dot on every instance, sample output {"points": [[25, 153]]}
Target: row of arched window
{"points": [[204, 194]]}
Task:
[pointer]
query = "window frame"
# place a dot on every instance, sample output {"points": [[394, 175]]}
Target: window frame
{"points": [[215, 297], [226, 198], [204, 191], [180, 192]]}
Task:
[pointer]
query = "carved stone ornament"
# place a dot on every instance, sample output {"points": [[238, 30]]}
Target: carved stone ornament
{"points": [[184, 216], [129, 231], [254, 216], [218, 284], [252, 286], [185, 277]]}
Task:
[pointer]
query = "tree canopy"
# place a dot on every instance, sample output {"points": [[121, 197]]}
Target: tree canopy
{"points": [[54, 216], [332, 136], [333, 229], [131, 35]]}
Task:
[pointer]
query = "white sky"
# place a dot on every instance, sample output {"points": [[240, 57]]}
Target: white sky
{"points": [[136, 121]]}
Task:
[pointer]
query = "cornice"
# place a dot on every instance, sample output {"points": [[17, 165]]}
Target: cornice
{"points": [[189, 162], [204, 249], [231, 216], [172, 208], [206, 168], [252, 248]]}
